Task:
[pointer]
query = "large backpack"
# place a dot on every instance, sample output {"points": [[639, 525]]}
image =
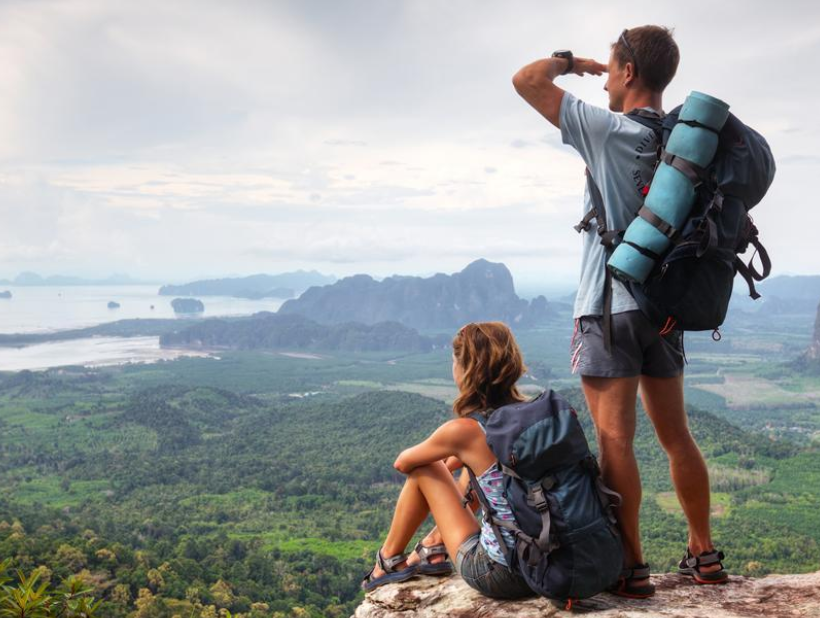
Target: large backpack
{"points": [[567, 544], [690, 287]]}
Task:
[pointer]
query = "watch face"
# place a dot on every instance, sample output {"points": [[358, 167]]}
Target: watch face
{"points": [[561, 53]]}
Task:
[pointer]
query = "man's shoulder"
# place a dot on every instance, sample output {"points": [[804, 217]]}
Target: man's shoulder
{"points": [[586, 117]]}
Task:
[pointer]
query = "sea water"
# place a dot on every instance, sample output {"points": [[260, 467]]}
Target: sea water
{"points": [[44, 309]]}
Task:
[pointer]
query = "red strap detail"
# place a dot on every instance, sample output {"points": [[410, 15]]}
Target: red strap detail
{"points": [[645, 190], [668, 326]]}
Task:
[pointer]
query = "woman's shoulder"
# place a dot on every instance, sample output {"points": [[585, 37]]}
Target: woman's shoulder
{"points": [[458, 429]]}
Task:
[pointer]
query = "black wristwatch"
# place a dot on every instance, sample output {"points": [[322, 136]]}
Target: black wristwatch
{"points": [[566, 55]]}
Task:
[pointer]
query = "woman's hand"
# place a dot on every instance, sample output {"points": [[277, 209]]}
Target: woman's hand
{"points": [[453, 463]]}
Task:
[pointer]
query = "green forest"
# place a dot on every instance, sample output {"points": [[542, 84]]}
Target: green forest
{"points": [[261, 485]]}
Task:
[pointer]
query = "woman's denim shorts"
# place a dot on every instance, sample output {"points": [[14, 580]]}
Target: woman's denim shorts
{"points": [[484, 574]]}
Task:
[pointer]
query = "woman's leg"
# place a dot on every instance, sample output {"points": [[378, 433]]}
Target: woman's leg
{"points": [[429, 489]]}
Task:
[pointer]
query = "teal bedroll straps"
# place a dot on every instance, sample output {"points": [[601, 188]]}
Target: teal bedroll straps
{"points": [[690, 148]]}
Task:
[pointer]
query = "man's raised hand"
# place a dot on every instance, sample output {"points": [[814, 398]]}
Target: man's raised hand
{"points": [[582, 66]]}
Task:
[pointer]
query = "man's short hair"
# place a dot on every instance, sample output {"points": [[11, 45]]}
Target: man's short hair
{"points": [[655, 53]]}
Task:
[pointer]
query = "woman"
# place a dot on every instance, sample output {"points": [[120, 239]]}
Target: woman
{"points": [[487, 363]]}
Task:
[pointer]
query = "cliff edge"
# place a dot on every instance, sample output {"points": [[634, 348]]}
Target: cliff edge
{"points": [[773, 596]]}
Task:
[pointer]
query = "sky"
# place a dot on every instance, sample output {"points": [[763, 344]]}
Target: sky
{"points": [[179, 140]]}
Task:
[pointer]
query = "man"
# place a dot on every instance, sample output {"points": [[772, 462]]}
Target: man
{"points": [[617, 358]]}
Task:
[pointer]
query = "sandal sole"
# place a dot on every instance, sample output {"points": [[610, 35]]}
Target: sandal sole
{"points": [[390, 578], [427, 570], [705, 582]]}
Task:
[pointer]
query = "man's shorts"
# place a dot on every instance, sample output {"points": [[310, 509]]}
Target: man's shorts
{"points": [[638, 348]]}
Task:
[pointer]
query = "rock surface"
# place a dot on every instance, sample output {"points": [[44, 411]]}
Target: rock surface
{"points": [[774, 596]]}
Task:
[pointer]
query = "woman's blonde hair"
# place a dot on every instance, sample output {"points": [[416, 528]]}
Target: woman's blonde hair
{"points": [[492, 364]]}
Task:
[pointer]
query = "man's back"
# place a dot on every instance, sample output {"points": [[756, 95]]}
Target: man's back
{"points": [[620, 154]]}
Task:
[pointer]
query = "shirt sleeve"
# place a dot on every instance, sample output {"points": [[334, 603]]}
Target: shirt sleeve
{"points": [[586, 128]]}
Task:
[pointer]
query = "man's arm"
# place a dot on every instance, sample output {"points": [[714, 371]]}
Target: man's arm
{"points": [[535, 84]]}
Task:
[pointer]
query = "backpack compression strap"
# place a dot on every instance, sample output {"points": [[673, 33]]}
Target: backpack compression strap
{"points": [[532, 549]]}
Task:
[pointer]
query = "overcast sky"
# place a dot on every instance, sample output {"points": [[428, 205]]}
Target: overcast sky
{"points": [[173, 140]]}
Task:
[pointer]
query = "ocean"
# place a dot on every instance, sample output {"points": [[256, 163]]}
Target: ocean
{"points": [[45, 309]]}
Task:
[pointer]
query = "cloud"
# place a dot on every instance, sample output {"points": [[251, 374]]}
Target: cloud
{"points": [[166, 138]]}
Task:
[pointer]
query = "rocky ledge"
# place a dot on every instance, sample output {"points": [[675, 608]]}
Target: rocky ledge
{"points": [[774, 596]]}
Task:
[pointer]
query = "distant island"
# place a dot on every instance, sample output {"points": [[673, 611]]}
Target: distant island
{"points": [[187, 305], [271, 331], [113, 304], [5, 294], [253, 287], [482, 291]]}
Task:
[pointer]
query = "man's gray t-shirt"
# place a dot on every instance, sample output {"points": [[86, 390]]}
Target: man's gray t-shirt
{"points": [[620, 154]]}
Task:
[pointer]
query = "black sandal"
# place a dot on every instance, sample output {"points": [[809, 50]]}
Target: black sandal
{"points": [[625, 587], [425, 567], [690, 565], [388, 565]]}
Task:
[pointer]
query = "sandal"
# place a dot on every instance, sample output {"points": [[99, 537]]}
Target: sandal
{"points": [[625, 587], [425, 567], [690, 565], [388, 565]]}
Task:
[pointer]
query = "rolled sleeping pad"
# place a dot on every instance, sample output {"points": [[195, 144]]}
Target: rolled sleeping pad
{"points": [[671, 194]]}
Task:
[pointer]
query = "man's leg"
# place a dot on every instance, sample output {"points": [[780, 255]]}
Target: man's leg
{"points": [[611, 402], [663, 400]]}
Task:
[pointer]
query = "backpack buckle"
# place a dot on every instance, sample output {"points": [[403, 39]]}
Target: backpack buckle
{"points": [[539, 500]]}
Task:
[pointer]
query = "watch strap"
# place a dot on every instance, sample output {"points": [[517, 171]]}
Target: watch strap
{"points": [[566, 55]]}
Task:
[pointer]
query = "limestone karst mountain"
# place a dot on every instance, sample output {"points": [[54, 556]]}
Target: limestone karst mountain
{"points": [[809, 362], [482, 291]]}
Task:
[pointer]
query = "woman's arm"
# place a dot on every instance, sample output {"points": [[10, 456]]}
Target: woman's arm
{"points": [[444, 442]]}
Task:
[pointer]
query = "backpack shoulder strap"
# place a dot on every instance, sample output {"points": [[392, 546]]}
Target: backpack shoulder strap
{"points": [[607, 240], [650, 119], [489, 517], [479, 417]]}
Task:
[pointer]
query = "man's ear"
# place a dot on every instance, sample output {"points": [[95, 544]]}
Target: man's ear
{"points": [[629, 74]]}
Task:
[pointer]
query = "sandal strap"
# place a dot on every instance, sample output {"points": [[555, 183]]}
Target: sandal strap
{"points": [[388, 564], [704, 559], [424, 552], [639, 571]]}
